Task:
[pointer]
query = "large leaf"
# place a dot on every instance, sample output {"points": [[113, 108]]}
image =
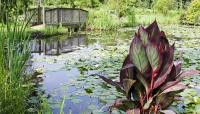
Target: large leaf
{"points": [[127, 70], [128, 83], [186, 73], [143, 81], [154, 32], [129, 73], [164, 44], [138, 55], [138, 92], [133, 111], [172, 75], [124, 105], [166, 68], [109, 81], [164, 100], [177, 87], [143, 36], [154, 56]]}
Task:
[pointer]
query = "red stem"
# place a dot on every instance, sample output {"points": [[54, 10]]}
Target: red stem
{"points": [[156, 109], [152, 83]]}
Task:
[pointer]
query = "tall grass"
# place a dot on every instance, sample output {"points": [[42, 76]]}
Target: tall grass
{"points": [[14, 53], [102, 19], [146, 16]]}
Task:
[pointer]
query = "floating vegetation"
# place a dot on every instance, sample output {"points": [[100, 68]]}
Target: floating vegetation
{"points": [[73, 76]]}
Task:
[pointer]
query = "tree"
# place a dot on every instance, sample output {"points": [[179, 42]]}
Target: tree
{"points": [[193, 12], [10, 7]]}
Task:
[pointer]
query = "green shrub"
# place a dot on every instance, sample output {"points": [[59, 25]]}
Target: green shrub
{"points": [[193, 13], [102, 20], [164, 6]]}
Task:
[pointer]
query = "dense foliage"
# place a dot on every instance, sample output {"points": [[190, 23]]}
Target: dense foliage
{"points": [[9, 8], [193, 12], [149, 78], [14, 53], [164, 6]]}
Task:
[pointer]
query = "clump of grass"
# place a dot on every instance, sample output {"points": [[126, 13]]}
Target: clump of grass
{"points": [[146, 16], [54, 30], [103, 19], [14, 53]]}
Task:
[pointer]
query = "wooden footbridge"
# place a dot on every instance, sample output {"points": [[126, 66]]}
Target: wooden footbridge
{"points": [[69, 17]]}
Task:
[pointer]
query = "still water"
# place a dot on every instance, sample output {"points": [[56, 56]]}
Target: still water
{"points": [[82, 92]]}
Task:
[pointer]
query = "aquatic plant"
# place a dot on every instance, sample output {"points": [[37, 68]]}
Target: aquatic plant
{"points": [[14, 54], [149, 78]]}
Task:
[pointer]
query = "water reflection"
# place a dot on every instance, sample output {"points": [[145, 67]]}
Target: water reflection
{"points": [[58, 45]]}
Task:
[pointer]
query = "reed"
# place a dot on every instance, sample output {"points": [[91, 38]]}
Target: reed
{"points": [[14, 54]]}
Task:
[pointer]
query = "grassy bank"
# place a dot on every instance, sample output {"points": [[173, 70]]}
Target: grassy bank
{"points": [[47, 31], [147, 16], [105, 19]]}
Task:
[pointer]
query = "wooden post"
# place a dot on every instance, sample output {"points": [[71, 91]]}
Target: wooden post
{"points": [[39, 12], [43, 15]]}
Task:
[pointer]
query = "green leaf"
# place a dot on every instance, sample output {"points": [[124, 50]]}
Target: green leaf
{"points": [[143, 35], [88, 90], [153, 56], [128, 83], [164, 100], [143, 81], [138, 55], [123, 104], [109, 81]]}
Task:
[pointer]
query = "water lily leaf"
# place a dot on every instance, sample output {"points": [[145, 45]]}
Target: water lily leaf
{"points": [[128, 83], [154, 56], [133, 111], [167, 112], [88, 90], [76, 101], [143, 35], [138, 55], [92, 107]]}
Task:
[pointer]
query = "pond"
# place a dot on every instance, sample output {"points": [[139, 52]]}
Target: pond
{"points": [[69, 64]]}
